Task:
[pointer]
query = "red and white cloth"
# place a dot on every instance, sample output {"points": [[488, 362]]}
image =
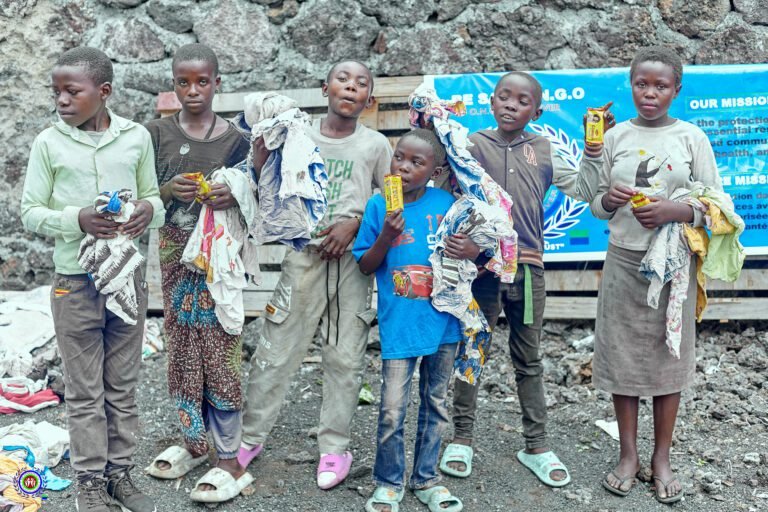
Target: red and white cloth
{"points": [[25, 395]]}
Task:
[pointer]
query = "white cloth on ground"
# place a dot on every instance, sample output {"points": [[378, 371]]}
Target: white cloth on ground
{"points": [[47, 442], [112, 262], [26, 323], [221, 246]]}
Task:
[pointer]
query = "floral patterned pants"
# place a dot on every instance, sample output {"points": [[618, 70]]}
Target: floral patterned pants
{"points": [[203, 360]]}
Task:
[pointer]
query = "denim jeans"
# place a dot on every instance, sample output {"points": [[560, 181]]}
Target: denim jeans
{"points": [[434, 374]]}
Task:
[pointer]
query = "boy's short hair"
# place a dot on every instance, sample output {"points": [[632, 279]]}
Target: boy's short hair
{"points": [[97, 65], [430, 138], [333, 68], [661, 54], [196, 52], [531, 79]]}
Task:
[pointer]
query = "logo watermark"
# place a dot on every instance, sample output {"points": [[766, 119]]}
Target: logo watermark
{"points": [[30, 483]]}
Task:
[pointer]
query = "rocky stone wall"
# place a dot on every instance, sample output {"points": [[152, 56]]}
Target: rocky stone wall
{"points": [[269, 44]]}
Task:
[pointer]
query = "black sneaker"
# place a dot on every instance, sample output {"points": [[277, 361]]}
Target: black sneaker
{"points": [[92, 497], [124, 491]]}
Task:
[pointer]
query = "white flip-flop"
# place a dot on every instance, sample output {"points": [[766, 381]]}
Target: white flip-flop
{"points": [[226, 486], [181, 461]]}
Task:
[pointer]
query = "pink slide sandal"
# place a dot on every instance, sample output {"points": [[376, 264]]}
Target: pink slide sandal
{"points": [[333, 469], [245, 455]]}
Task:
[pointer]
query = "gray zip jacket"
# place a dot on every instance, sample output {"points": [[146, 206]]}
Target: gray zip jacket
{"points": [[526, 168]]}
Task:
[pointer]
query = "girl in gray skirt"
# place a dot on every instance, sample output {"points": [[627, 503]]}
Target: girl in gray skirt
{"points": [[656, 154]]}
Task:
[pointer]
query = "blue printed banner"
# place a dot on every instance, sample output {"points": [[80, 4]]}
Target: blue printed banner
{"points": [[728, 102]]}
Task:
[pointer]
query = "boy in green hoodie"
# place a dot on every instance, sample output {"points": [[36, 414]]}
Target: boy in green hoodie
{"points": [[88, 150]]}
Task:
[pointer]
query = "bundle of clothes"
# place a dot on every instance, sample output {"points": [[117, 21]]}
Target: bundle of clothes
{"points": [[669, 256], [20, 394], [291, 202], [482, 212], [28, 447], [291, 184], [112, 262], [223, 248], [11, 497]]}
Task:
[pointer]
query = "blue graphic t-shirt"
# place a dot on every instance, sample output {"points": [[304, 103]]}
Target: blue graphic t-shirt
{"points": [[409, 325]]}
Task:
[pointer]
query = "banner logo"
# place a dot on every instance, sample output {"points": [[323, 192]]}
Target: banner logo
{"points": [[560, 211]]}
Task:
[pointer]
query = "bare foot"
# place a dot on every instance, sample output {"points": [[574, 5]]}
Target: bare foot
{"points": [[459, 466], [556, 475], [625, 470], [231, 466]]}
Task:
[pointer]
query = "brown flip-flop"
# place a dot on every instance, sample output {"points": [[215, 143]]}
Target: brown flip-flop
{"points": [[617, 490], [669, 499]]}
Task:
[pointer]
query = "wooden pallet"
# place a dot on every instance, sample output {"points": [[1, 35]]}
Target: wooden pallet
{"points": [[572, 294], [565, 290], [726, 300]]}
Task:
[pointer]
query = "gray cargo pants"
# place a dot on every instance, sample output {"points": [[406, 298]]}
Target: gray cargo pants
{"points": [[310, 289], [101, 355]]}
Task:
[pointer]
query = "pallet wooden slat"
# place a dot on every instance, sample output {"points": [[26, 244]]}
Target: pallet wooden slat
{"points": [[736, 308], [396, 86], [306, 98], [370, 116], [557, 308], [393, 120], [589, 281]]}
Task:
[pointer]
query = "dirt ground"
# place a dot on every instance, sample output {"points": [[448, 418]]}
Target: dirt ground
{"points": [[720, 449]]}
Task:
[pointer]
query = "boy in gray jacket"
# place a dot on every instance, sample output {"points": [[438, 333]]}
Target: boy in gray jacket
{"points": [[526, 165]]}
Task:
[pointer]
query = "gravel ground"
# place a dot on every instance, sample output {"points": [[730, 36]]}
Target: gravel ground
{"points": [[720, 448]]}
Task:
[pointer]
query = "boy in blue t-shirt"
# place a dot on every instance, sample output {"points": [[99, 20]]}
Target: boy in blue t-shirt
{"points": [[397, 247]]}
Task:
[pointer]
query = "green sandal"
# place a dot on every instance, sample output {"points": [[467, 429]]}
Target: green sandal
{"points": [[435, 496], [385, 496], [457, 453], [542, 465]]}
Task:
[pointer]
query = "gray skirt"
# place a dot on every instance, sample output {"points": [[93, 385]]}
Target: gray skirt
{"points": [[631, 355]]}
